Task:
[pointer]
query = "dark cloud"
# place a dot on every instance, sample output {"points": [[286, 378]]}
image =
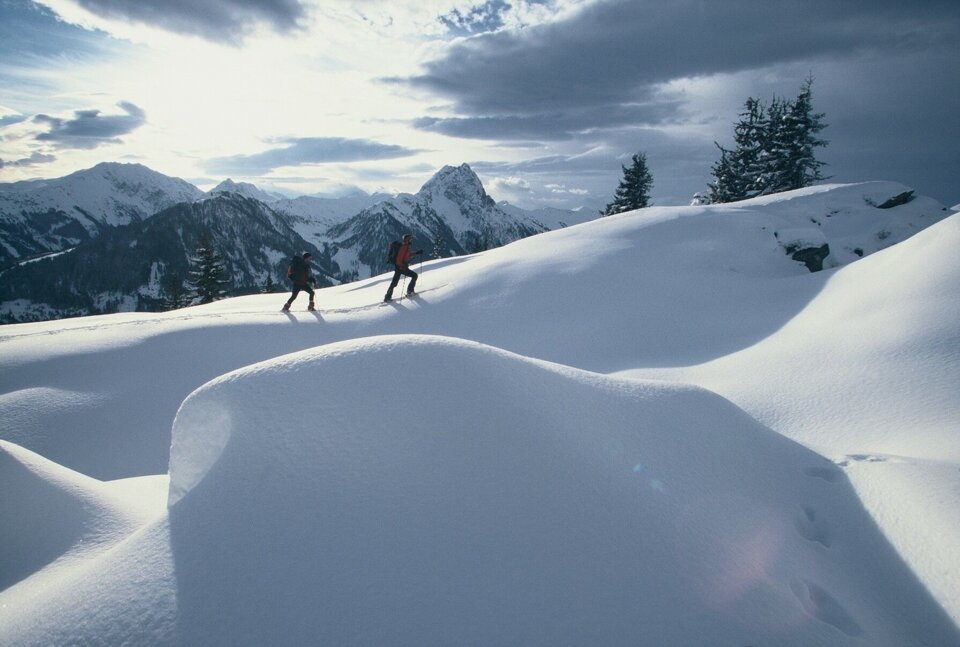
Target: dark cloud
{"points": [[32, 34], [612, 52], [885, 76], [34, 160], [308, 150], [557, 126], [89, 128], [216, 20]]}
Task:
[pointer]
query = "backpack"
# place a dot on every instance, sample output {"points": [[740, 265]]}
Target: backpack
{"points": [[392, 252], [295, 268]]}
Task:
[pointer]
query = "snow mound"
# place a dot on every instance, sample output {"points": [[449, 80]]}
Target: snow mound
{"points": [[426, 490], [868, 375], [49, 512], [896, 312], [856, 220]]}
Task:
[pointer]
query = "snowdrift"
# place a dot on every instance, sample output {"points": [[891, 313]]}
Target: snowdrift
{"points": [[895, 312], [54, 518], [868, 374], [469, 495]]}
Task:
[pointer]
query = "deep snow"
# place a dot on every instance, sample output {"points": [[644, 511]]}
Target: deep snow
{"points": [[417, 489]]}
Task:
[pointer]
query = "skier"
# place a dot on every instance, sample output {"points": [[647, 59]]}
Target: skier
{"points": [[299, 273], [402, 266]]}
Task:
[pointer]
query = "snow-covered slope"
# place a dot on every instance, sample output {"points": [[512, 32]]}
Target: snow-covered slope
{"points": [[52, 514], [868, 374], [559, 507], [426, 490]]}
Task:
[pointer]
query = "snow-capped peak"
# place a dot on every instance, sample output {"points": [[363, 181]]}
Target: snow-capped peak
{"points": [[458, 184], [245, 189]]}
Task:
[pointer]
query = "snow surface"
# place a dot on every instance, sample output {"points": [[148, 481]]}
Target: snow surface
{"points": [[517, 456]]}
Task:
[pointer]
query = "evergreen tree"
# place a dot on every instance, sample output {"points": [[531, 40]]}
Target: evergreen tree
{"points": [[269, 287], [174, 294], [634, 189], [803, 125], [774, 149], [207, 273], [438, 244], [726, 186], [771, 169], [475, 243]]}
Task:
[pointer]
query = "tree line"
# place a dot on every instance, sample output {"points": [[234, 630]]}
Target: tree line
{"points": [[774, 150]]}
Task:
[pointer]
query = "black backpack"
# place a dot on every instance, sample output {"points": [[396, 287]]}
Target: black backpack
{"points": [[392, 252], [295, 269]]}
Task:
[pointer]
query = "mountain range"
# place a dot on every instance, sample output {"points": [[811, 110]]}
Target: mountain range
{"points": [[42, 216], [110, 238]]}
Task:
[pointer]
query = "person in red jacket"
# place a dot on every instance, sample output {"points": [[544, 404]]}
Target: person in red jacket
{"points": [[402, 267]]}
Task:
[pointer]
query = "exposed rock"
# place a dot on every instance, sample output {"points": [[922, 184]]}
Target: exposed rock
{"points": [[897, 200], [812, 257]]}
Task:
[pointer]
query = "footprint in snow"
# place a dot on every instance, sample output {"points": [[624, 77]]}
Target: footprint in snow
{"points": [[812, 527], [862, 458], [828, 474], [818, 602]]}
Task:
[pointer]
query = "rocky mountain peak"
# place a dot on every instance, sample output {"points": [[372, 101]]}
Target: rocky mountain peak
{"points": [[458, 184]]}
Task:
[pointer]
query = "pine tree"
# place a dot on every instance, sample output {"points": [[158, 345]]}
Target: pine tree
{"points": [[634, 189], [174, 294], [207, 273], [752, 138], [269, 287], [739, 173], [775, 149], [772, 168], [803, 125], [726, 186]]}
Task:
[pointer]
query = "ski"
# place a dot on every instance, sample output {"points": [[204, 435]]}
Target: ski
{"points": [[397, 301]]}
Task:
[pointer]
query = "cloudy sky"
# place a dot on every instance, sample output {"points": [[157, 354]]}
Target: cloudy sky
{"points": [[545, 99]]}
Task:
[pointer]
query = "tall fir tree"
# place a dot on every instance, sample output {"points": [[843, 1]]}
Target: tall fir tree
{"points": [[772, 167], [207, 279], [737, 170], [634, 189], [803, 126]]}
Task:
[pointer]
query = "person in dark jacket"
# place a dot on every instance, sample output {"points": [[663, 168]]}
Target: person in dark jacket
{"points": [[299, 273], [402, 267]]}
